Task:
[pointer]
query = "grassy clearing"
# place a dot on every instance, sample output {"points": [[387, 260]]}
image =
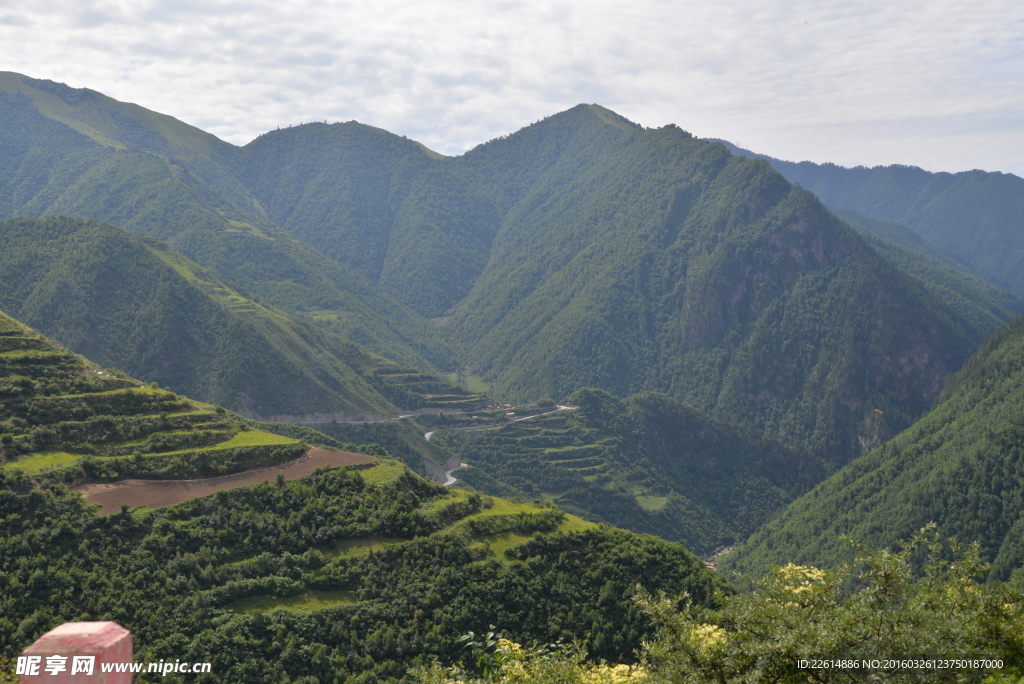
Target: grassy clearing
{"points": [[575, 524], [254, 438], [325, 315], [500, 543], [555, 450], [476, 385], [166, 433], [35, 353], [382, 472], [506, 507], [652, 503], [454, 496], [44, 460], [306, 601], [353, 548], [248, 438]]}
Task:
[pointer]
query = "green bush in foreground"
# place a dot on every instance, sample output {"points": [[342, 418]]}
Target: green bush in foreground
{"points": [[884, 606]]}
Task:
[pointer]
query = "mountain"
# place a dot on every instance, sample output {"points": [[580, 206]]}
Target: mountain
{"points": [[64, 418], [67, 151], [413, 222], [581, 251], [132, 303], [369, 567], [633, 259], [959, 467], [977, 216]]}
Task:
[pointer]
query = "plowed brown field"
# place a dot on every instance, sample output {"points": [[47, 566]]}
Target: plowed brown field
{"points": [[160, 493]]}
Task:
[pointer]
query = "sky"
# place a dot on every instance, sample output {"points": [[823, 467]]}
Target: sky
{"points": [[935, 83]]}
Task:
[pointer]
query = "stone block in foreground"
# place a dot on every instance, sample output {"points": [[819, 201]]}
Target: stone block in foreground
{"points": [[64, 655]]}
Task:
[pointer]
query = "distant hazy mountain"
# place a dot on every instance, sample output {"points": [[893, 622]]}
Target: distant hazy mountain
{"points": [[959, 466], [977, 216], [411, 221]]}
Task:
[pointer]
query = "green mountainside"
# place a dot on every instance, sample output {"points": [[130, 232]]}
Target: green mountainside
{"points": [[977, 216], [581, 251], [632, 259], [131, 303], [76, 152], [647, 463], [365, 569], [959, 466], [62, 417]]}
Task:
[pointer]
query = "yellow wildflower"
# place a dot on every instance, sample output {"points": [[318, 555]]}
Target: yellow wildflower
{"points": [[708, 637], [614, 674], [800, 578], [510, 649]]}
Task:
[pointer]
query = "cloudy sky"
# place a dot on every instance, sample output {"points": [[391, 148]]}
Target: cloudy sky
{"points": [[936, 83]]}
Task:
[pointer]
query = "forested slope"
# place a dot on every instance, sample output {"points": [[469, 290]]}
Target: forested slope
{"points": [[977, 216], [959, 466], [342, 576], [581, 251], [131, 303], [76, 152], [633, 259]]}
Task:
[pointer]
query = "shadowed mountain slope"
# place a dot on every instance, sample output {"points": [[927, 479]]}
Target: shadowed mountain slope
{"points": [[408, 219], [581, 251], [132, 303], [959, 467]]}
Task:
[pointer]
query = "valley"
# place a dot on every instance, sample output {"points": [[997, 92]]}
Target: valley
{"points": [[338, 400]]}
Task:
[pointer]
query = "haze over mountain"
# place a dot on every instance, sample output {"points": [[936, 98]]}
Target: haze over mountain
{"points": [[581, 251], [366, 549], [977, 216], [635, 259]]}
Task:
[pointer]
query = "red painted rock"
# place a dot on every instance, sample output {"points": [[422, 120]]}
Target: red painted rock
{"points": [[75, 653]]}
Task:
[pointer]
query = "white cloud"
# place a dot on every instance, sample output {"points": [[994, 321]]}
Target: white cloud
{"points": [[938, 84]]}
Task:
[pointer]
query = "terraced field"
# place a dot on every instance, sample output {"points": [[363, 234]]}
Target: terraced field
{"points": [[552, 450], [648, 464], [412, 389], [498, 527], [64, 418]]}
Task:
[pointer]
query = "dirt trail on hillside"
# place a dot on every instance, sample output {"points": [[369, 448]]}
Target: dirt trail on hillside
{"points": [[160, 493]]}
